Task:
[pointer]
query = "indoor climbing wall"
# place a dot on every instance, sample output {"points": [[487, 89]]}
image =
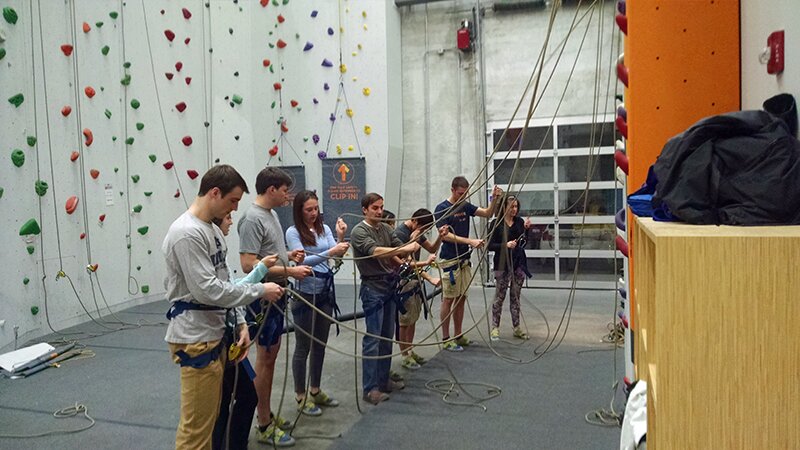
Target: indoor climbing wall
{"points": [[113, 110]]}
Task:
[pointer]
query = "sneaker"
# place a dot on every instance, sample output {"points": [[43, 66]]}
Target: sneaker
{"points": [[419, 359], [392, 386], [410, 363], [322, 399], [274, 436], [463, 341], [308, 407], [375, 396], [495, 334], [394, 376], [518, 333], [282, 423], [452, 346]]}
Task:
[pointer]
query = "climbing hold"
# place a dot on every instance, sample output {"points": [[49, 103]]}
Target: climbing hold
{"points": [[30, 227], [113, 14], [105, 50], [365, 91], [188, 80], [116, 169], [281, 43], [177, 193], [89, 91], [107, 113], [26, 280], [322, 155], [622, 70], [186, 14], [1, 192], [308, 46], [148, 193], [236, 99], [94, 173], [66, 49], [169, 34], [74, 156], [330, 31], [10, 15], [102, 218], [30, 249], [343, 68], [126, 65], [31, 141], [168, 165], [265, 63], [135, 178], [364, 14], [338, 149], [315, 138], [293, 103], [281, 19], [367, 130], [178, 66], [326, 86], [273, 151], [187, 140], [65, 111], [2, 53], [40, 187], [16, 100], [314, 13], [126, 80], [186, 41], [192, 174], [92, 267], [152, 157], [129, 141], [273, 104], [277, 86], [145, 289], [34, 310], [87, 133], [316, 102], [137, 208], [169, 75], [365, 27], [349, 148], [264, 3], [181, 106], [135, 104], [332, 118], [18, 158], [284, 127], [83, 236], [349, 112], [98, 24], [139, 126], [71, 205], [327, 63]]}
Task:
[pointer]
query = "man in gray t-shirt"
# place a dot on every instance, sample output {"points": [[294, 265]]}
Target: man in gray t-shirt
{"points": [[198, 288], [261, 234]]}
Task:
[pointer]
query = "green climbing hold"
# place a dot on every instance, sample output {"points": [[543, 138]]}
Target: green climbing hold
{"points": [[149, 252], [275, 2], [116, 169], [30, 249], [1, 192], [129, 246], [31, 141], [135, 104], [10, 15], [138, 267], [135, 178], [148, 193], [143, 230], [2, 53], [30, 227], [105, 50], [236, 99], [126, 81], [113, 138], [108, 114], [16, 100], [34, 310], [145, 289], [126, 65], [271, 69], [285, 2], [129, 141], [98, 24], [113, 14], [139, 126], [137, 208], [152, 158], [40, 187], [273, 105], [26, 280], [18, 158]]}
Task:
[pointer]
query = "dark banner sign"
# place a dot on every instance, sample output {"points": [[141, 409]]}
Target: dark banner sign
{"points": [[343, 184]]}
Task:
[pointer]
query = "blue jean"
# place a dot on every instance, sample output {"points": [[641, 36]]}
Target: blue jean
{"points": [[380, 309]]}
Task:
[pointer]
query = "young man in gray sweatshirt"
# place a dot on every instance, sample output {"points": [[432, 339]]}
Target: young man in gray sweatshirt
{"points": [[198, 286]]}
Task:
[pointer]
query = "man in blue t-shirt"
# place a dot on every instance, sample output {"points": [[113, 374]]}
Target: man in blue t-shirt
{"points": [[456, 212]]}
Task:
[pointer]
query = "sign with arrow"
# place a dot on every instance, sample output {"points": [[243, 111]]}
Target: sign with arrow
{"points": [[343, 185]]}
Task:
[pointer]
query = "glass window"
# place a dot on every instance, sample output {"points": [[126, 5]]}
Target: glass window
{"points": [[590, 269], [600, 202], [542, 171], [581, 135], [535, 138], [542, 269], [576, 168], [595, 236], [536, 203]]}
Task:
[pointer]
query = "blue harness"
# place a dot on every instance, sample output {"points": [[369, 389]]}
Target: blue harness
{"points": [[204, 359], [330, 289]]}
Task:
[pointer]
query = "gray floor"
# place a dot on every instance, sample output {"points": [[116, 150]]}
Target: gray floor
{"points": [[131, 388]]}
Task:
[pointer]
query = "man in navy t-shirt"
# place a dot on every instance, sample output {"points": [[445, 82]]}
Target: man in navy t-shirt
{"points": [[456, 212]]}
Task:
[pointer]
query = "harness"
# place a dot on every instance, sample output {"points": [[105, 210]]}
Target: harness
{"points": [[451, 270], [204, 359], [330, 289], [397, 281]]}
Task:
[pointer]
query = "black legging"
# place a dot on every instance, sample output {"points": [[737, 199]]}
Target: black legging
{"points": [[303, 317], [243, 410]]}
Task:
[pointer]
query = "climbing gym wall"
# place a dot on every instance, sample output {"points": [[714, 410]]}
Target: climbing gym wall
{"points": [[111, 112]]}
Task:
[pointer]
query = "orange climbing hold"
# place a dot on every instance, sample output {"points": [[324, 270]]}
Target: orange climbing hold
{"points": [[266, 63], [94, 173], [74, 156], [87, 133], [72, 204], [281, 19], [86, 27], [89, 91], [284, 127], [281, 43], [264, 3], [273, 151]]}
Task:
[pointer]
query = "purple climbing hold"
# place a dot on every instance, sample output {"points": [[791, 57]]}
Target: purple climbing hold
{"points": [[330, 31], [314, 13], [316, 102], [327, 63], [322, 155], [308, 46], [333, 118], [315, 138], [326, 86]]}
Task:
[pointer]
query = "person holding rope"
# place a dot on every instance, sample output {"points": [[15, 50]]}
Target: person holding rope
{"points": [[374, 246], [455, 212], [201, 297], [510, 263], [260, 234], [316, 240]]}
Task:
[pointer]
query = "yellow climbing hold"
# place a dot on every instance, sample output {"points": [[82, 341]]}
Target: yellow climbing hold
{"points": [[349, 148], [338, 149], [367, 130], [349, 112], [364, 14], [366, 91], [343, 68]]}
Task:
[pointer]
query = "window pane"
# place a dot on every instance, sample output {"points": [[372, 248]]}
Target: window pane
{"points": [[580, 135], [600, 202], [540, 237], [542, 171], [590, 269], [537, 203], [543, 269], [533, 139], [574, 168], [595, 236]]}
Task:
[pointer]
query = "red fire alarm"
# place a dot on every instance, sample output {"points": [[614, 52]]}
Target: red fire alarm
{"points": [[464, 36], [775, 44]]}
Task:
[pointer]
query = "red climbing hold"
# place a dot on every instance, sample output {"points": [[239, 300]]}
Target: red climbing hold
{"points": [[74, 156], [192, 174], [169, 75], [281, 19], [168, 165], [266, 63], [66, 110], [83, 235], [178, 66], [102, 218], [186, 14], [170, 35], [86, 27], [177, 193], [89, 91], [284, 128], [187, 140], [94, 173], [277, 86], [273, 151], [87, 133], [264, 3], [66, 49], [181, 106], [188, 80], [72, 204], [186, 41], [281, 43], [294, 103]]}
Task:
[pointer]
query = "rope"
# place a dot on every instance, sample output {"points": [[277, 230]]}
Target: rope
{"points": [[64, 413]]}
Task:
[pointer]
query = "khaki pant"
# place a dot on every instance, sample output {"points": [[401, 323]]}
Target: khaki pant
{"points": [[462, 276], [201, 392]]}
